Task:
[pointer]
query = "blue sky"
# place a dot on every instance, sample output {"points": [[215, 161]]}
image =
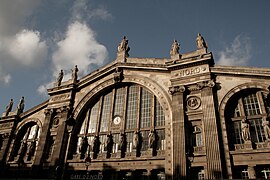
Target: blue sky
{"points": [[40, 37]]}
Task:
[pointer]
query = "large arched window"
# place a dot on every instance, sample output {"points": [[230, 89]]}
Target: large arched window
{"points": [[25, 143], [246, 114], [120, 111]]}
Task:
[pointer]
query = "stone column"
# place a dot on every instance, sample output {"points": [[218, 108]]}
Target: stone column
{"points": [[179, 168], [43, 137], [59, 150], [251, 172], [213, 167]]}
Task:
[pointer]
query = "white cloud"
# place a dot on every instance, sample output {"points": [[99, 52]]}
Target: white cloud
{"points": [[27, 48], [19, 47], [79, 47], [237, 54]]}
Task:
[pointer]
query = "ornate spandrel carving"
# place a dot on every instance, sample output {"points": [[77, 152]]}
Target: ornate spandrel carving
{"points": [[193, 102], [175, 89], [118, 75]]}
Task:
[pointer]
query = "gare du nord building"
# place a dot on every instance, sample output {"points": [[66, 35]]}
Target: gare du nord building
{"points": [[181, 117]]}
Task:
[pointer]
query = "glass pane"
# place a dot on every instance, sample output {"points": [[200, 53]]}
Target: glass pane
{"points": [[251, 105], [106, 112], [33, 132], [144, 140], [256, 130], [82, 131], [237, 132], [161, 143], [159, 115], [146, 107], [132, 108], [129, 139], [93, 118], [119, 102]]}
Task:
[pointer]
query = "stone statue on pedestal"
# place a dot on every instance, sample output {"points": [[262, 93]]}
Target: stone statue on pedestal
{"points": [[175, 48], [9, 107], [200, 42], [60, 78]]}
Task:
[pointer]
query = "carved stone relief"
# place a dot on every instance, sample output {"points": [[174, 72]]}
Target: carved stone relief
{"points": [[193, 102]]}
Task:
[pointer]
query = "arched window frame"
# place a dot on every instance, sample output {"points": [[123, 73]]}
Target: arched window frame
{"points": [[157, 119], [251, 105]]}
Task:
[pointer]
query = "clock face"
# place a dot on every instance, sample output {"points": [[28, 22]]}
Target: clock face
{"points": [[116, 120]]}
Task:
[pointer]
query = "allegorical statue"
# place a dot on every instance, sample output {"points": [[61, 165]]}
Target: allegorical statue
{"points": [[266, 129], [60, 78], [20, 106], [245, 130], [96, 144], [123, 46], [74, 74], [175, 48], [109, 143], [122, 142], [9, 107], [200, 42], [136, 140], [151, 139]]}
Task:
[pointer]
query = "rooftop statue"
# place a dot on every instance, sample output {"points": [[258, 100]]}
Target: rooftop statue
{"points": [[175, 48], [9, 107], [200, 42], [60, 78], [74, 74], [20, 106], [123, 46]]}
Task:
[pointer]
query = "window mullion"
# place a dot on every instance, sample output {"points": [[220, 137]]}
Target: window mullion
{"points": [[99, 114], [125, 108], [153, 115], [139, 107], [112, 109]]}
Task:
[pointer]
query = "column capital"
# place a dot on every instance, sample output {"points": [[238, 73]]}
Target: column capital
{"points": [[175, 89]]}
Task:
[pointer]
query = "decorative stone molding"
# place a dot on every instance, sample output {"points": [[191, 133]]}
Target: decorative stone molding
{"points": [[193, 102], [175, 89], [201, 85], [246, 146], [118, 75]]}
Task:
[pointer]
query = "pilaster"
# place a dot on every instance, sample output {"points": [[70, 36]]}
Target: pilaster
{"points": [[213, 167], [178, 133]]}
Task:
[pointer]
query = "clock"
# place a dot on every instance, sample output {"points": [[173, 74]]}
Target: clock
{"points": [[117, 120]]}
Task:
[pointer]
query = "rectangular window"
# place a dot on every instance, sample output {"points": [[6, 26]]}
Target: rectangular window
{"points": [[106, 112], [102, 139], [119, 102], [129, 138], [116, 148], [251, 105], [145, 138], [93, 119], [146, 107], [132, 107], [161, 142], [256, 130], [159, 115], [237, 132]]}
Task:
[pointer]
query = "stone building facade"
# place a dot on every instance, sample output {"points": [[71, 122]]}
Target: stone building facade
{"points": [[181, 117]]}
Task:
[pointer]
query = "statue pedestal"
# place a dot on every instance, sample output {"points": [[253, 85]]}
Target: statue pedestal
{"points": [[121, 56], [176, 57]]}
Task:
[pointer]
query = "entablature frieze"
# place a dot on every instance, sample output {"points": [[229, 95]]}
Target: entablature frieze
{"points": [[192, 87]]}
